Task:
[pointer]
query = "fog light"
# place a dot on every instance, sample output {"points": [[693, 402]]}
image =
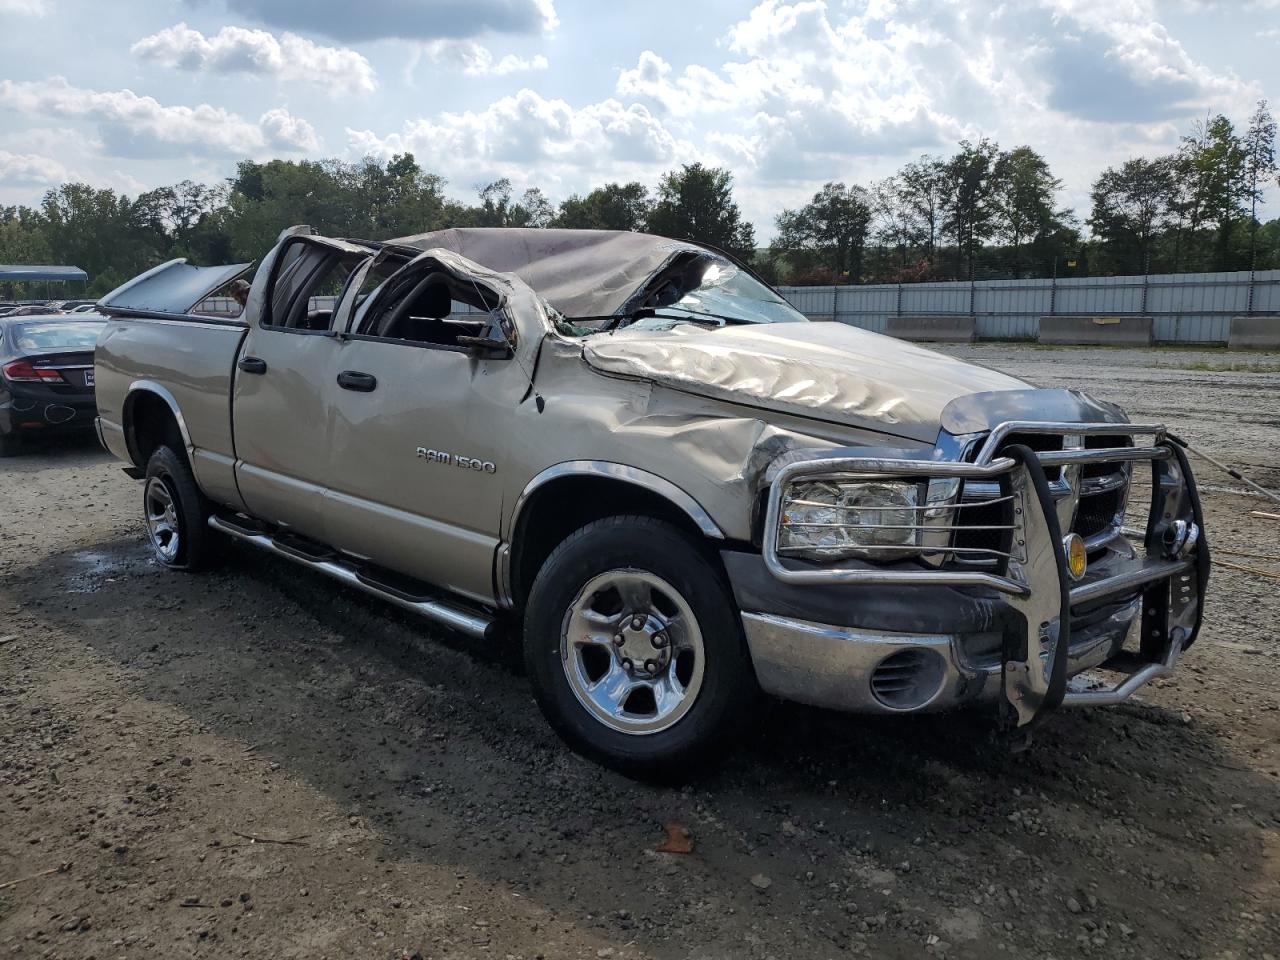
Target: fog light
{"points": [[1077, 559]]}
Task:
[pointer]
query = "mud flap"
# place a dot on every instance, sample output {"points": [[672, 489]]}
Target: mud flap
{"points": [[1034, 658]]}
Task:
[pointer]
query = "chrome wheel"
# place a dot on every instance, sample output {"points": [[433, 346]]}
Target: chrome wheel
{"points": [[632, 651], [162, 519]]}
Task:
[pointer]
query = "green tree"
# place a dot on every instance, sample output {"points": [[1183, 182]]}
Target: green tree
{"points": [[615, 206], [1213, 161], [1024, 201], [1132, 205], [22, 240], [499, 209], [1260, 169], [533, 210], [98, 231], [968, 205], [832, 228], [696, 203], [22, 236], [266, 198], [1268, 249], [920, 189]]}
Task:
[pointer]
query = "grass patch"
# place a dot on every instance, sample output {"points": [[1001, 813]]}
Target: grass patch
{"points": [[1171, 348]]}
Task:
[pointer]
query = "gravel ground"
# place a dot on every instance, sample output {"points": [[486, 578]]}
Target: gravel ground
{"points": [[407, 799]]}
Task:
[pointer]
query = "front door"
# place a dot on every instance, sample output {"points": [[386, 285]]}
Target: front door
{"points": [[416, 430]]}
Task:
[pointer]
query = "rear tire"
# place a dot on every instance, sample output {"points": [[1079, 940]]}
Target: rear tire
{"points": [[176, 513], [10, 444], [635, 649]]}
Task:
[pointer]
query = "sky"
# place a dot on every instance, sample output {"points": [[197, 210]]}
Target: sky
{"points": [[568, 94]]}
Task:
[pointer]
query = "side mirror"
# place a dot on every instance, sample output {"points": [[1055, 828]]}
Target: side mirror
{"points": [[492, 343]]}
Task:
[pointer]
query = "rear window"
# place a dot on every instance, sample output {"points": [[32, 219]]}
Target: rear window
{"points": [[58, 335]]}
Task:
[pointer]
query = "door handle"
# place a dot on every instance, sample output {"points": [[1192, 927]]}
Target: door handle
{"points": [[252, 365], [355, 380]]}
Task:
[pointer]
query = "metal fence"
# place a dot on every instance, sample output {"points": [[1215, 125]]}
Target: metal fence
{"points": [[1185, 307]]}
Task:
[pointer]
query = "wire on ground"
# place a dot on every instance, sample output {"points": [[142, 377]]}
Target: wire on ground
{"points": [[1236, 474]]}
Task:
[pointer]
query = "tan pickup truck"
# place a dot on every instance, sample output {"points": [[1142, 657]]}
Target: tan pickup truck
{"points": [[635, 459]]}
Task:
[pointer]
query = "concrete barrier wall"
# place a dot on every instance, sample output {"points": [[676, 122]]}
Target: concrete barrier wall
{"points": [[1258, 333], [1127, 331], [1186, 307], [935, 329]]}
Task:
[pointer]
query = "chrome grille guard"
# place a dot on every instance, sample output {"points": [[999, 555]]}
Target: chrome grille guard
{"points": [[1034, 582]]}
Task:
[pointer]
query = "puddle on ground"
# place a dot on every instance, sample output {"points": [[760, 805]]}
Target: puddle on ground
{"points": [[98, 568]]}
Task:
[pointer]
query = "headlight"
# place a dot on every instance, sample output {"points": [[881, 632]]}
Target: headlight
{"points": [[872, 519]]}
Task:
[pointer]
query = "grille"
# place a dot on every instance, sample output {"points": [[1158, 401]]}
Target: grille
{"points": [[1103, 493], [1097, 513], [1104, 489], [1040, 443], [978, 514]]}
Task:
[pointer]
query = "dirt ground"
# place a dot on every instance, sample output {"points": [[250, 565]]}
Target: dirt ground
{"points": [[408, 800]]}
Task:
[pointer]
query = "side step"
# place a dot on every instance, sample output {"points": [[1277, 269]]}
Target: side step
{"points": [[472, 624]]}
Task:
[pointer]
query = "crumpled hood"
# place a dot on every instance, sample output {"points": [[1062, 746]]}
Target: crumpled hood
{"points": [[830, 371]]}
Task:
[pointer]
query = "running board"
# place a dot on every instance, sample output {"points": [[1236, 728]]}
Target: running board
{"points": [[474, 625]]}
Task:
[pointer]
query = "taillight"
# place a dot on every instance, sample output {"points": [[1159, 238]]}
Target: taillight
{"points": [[22, 371]]}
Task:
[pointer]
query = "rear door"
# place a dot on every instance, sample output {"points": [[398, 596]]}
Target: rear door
{"points": [[280, 419]]}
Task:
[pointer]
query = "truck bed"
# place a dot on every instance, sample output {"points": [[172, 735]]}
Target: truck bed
{"points": [[190, 363]]}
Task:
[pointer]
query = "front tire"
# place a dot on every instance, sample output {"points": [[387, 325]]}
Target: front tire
{"points": [[635, 649], [175, 512]]}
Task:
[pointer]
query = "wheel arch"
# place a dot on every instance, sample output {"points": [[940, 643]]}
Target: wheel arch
{"points": [[151, 416], [569, 495]]}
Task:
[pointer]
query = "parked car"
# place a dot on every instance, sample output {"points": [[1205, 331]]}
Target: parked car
{"points": [[637, 458], [46, 377], [31, 310]]}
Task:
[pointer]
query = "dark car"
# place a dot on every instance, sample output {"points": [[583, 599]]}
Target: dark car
{"points": [[46, 377], [30, 310]]}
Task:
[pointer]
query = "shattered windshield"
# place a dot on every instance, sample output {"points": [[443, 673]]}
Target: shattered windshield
{"points": [[699, 288], [714, 292]]}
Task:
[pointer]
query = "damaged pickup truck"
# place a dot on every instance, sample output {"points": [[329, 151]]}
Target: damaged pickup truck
{"points": [[634, 458]]}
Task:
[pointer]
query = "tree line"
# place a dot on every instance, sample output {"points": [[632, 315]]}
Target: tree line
{"points": [[979, 213]]}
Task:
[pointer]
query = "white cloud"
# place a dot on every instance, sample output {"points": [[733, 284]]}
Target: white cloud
{"points": [[810, 91], [808, 94], [26, 8], [24, 169], [238, 50], [283, 131], [477, 61], [402, 19], [137, 126], [534, 140], [1113, 60]]}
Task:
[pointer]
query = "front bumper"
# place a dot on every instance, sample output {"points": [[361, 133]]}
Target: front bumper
{"points": [[868, 637]]}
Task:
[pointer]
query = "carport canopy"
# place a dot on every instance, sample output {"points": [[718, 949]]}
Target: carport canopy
{"points": [[25, 272]]}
